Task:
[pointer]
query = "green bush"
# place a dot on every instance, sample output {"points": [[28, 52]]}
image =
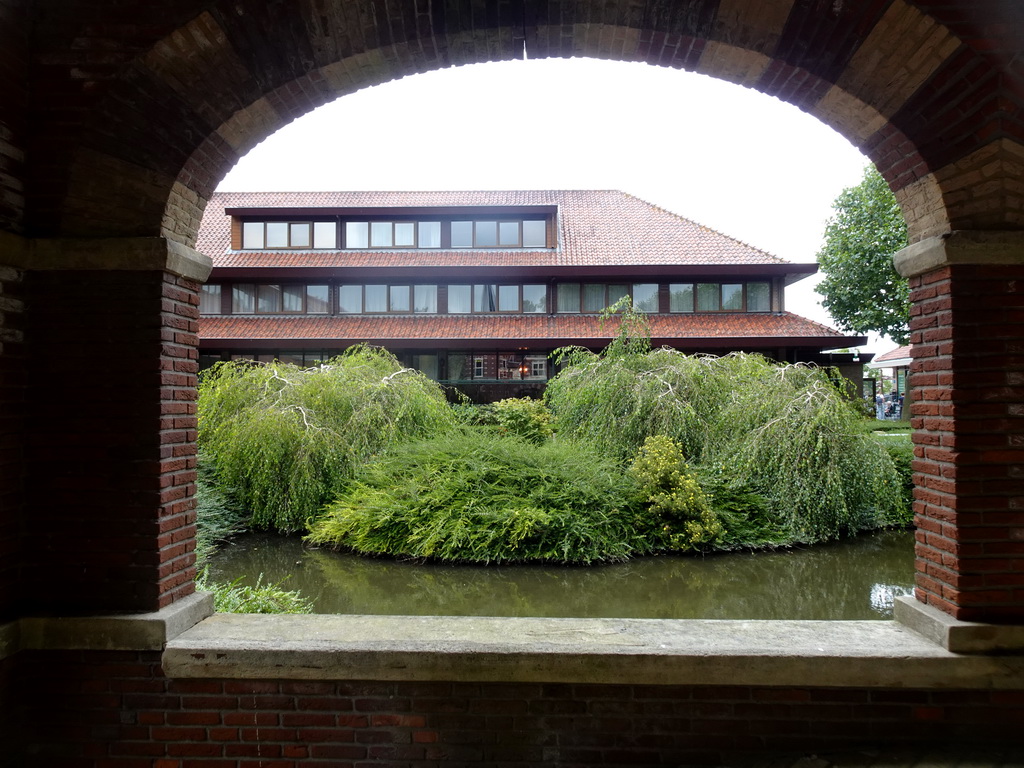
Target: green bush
{"points": [[218, 515], [236, 597], [476, 496], [680, 513], [286, 439], [783, 431], [901, 452], [520, 416]]}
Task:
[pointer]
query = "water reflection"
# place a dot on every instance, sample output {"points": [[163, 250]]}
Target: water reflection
{"points": [[852, 580]]}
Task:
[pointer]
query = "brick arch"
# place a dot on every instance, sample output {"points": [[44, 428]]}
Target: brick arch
{"points": [[136, 112], [928, 108]]}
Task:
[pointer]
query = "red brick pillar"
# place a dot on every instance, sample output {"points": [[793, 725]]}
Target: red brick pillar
{"points": [[967, 410], [111, 347]]}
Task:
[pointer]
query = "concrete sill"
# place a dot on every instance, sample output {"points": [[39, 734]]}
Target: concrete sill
{"points": [[619, 651]]}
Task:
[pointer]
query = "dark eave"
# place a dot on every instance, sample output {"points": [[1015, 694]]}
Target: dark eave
{"points": [[390, 212], [791, 272]]}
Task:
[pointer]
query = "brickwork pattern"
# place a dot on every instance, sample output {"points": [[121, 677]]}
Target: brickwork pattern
{"points": [[114, 710], [154, 109], [12, 427], [14, 80], [967, 380], [112, 448]]}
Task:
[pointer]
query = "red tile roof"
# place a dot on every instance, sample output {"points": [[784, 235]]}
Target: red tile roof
{"points": [[683, 329], [596, 228], [900, 353]]}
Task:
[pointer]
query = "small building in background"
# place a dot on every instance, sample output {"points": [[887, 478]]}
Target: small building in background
{"points": [[897, 362], [476, 289]]}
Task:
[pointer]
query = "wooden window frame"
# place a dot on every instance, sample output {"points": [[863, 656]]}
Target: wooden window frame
{"points": [[310, 224], [499, 245]]}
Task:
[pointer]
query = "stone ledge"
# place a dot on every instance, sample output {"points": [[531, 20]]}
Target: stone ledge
{"points": [[129, 632], [619, 651], [109, 254], [960, 247], [954, 635]]}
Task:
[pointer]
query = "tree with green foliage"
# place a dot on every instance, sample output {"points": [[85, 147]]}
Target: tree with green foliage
{"points": [[783, 432], [861, 289], [285, 439]]}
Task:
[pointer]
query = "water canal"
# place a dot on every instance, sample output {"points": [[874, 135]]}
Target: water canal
{"points": [[856, 579]]}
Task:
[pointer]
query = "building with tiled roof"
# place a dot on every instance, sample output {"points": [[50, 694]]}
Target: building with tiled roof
{"points": [[476, 289]]}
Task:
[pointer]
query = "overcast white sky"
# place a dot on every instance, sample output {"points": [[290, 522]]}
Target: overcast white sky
{"points": [[731, 158]]}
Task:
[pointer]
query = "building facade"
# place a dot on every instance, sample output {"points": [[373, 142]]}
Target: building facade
{"points": [[477, 289]]}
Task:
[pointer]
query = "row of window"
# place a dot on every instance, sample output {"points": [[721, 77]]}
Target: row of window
{"points": [[328, 235], [484, 298], [450, 366]]}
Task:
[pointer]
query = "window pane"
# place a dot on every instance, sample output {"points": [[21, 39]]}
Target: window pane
{"points": [[486, 234], [509, 367], [508, 233], [459, 367], [252, 234], [350, 299], [616, 292], [376, 298], [680, 297], [399, 298], [462, 234], [759, 297], [732, 297], [508, 298], [380, 234], [295, 358], [317, 297], [291, 297], [405, 233], [535, 298], [268, 298], [430, 234], [243, 299], [485, 298], [645, 297], [708, 297], [426, 364], [459, 298], [209, 300], [593, 297], [536, 367], [325, 234], [485, 367], [357, 234], [568, 297], [534, 234], [277, 234], [300, 235], [425, 299]]}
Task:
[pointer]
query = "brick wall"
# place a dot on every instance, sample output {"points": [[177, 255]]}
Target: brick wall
{"points": [[14, 101], [114, 710], [12, 426], [967, 378], [111, 445]]}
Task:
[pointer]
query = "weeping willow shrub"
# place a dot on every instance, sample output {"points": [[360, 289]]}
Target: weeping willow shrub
{"points": [[285, 439], [218, 515], [478, 496], [784, 432]]}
